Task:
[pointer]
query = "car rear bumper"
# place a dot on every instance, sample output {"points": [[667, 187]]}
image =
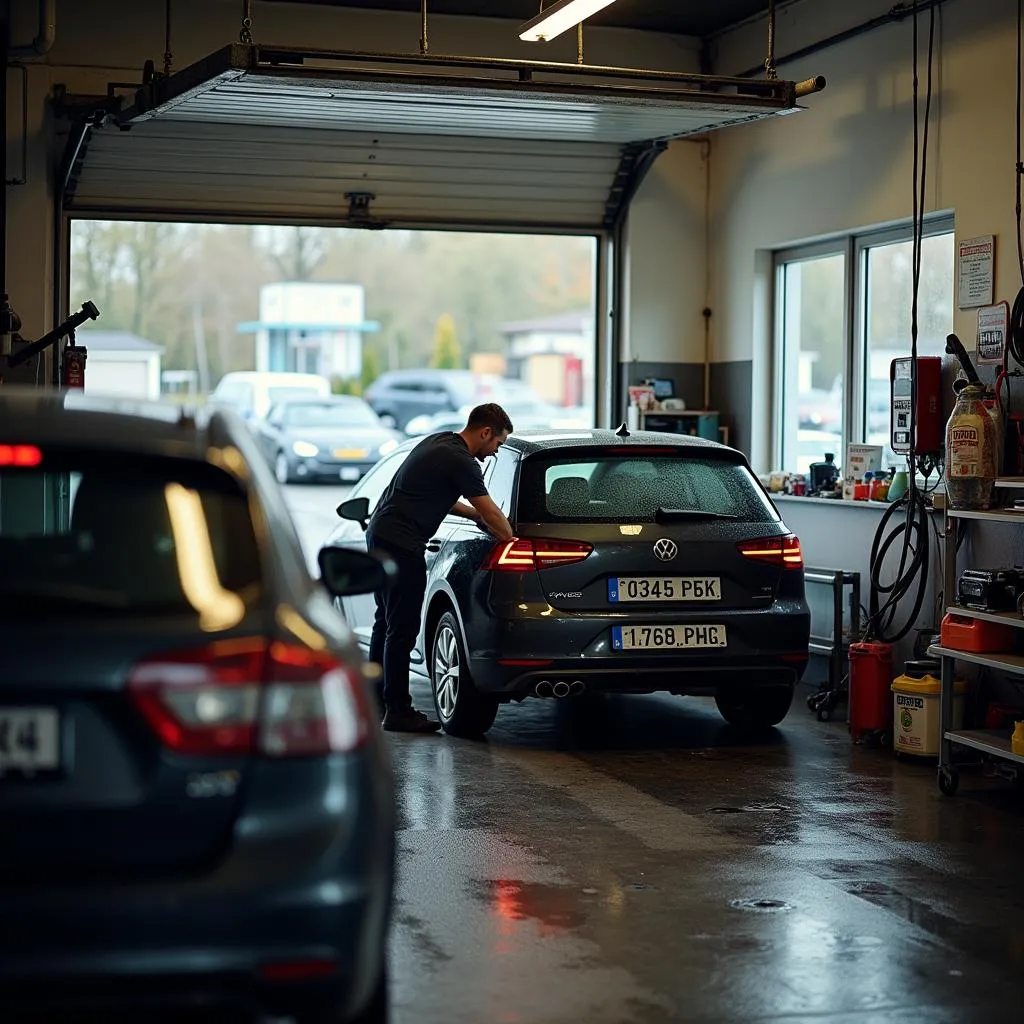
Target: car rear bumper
{"points": [[509, 657], [131, 948]]}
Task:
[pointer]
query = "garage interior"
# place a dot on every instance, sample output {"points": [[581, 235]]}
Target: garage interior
{"points": [[635, 859]]}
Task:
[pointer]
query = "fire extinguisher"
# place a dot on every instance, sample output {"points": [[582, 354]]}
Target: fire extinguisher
{"points": [[73, 366]]}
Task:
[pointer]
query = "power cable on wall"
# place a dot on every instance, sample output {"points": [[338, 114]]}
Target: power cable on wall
{"points": [[913, 532]]}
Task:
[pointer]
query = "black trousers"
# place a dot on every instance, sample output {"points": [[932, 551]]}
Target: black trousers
{"points": [[396, 623]]}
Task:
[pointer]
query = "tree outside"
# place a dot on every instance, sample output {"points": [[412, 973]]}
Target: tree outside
{"points": [[447, 351]]}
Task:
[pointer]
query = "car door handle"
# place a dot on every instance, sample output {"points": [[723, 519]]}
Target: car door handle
{"points": [[434, 544]]}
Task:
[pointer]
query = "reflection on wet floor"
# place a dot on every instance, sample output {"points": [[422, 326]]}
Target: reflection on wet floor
{"points": [[635, 859]]}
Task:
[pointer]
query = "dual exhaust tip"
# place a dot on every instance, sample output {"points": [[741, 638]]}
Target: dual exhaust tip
{"points": [[545, 688]]}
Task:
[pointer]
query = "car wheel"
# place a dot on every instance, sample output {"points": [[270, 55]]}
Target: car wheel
{"points": [[461, 709], [281, 469], [757, 707]]}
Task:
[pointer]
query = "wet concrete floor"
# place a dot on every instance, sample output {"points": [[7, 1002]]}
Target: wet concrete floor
{"points": [[635, 860]]}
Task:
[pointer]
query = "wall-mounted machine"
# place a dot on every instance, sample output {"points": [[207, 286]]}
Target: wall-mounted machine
{"points": [[928, 423]]}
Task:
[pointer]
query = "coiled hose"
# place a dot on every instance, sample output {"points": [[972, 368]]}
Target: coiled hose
{"points": [[914, 558]]}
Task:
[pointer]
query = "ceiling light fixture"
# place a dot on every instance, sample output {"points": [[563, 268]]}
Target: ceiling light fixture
{"points": [[558, 17]]}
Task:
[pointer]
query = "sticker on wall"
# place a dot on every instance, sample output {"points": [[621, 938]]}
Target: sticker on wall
{"points": [[976, 277], [993, 324]]}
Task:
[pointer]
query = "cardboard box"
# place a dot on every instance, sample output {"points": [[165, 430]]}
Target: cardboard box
{"points": [[860, 459]]}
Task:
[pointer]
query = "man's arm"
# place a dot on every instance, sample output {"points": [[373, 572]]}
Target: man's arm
{"points": [[491, 517], [466, 511]]}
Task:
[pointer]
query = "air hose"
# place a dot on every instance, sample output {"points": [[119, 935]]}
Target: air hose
{"points": [[914, 558]]}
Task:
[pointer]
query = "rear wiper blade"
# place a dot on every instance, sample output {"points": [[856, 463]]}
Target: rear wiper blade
{"points": [[676, 515]]}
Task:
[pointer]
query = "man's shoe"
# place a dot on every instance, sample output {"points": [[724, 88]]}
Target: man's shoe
{"points": [[408, 720]]}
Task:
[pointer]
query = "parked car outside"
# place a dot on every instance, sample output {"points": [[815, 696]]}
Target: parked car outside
{"points": [[650, 562], [337, 439], [252, 393], [399, 395], [196, 798]]}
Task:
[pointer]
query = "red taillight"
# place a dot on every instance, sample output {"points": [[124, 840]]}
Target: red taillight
{"points": [[784, 551], [246, 696], [524, 554], [26, 455]]}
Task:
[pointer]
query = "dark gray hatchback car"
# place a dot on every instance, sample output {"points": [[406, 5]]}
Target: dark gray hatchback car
{"points": [[640, 563], [197, 807]]}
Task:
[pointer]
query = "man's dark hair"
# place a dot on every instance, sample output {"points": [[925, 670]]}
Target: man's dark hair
{"points": [[489, 415]]}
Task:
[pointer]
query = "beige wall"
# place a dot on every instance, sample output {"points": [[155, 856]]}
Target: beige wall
{"points": [[846, 162], [103, 40]]}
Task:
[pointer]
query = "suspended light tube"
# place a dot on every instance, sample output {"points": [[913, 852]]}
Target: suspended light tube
{"points": [[558, 18]]}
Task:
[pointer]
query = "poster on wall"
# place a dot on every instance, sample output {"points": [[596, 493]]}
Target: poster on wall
{"points": [[976, 278], [993, 323]]}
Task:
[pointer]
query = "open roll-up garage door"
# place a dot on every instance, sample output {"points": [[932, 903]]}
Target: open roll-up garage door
{"points": [[388, 140]]}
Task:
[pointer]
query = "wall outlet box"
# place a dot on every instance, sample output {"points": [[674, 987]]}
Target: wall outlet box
{"points": [[939, 500]]}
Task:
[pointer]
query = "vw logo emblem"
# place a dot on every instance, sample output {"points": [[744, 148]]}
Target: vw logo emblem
{"points": [[665, 549]]}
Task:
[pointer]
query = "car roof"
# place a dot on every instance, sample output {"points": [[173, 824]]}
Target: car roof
{"points": [[530, 442], [37, 416]]}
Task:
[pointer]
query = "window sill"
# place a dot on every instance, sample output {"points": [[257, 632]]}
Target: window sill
{"points": [[876, 506]]}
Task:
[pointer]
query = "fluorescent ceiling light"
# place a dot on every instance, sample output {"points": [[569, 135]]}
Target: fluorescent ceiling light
{"points": [[558, 17]]}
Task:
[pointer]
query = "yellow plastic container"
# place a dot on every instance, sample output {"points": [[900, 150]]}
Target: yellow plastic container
{"points": [[1017, 739], [915, 714]]}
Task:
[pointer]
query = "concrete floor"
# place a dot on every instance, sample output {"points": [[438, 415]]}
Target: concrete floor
{"points": [[587, 863]]}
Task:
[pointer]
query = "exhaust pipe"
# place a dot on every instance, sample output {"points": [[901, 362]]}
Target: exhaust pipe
{"points": [[577, 687], [543, 689], [561, 688]]}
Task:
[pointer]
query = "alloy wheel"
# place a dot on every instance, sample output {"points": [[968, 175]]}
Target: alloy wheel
{"points": [[446, 672]]}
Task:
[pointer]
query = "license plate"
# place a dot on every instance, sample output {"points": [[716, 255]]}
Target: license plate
{"points": [[350, 473], [29, 739], [664, 588], [666, 638], [350, 453]]}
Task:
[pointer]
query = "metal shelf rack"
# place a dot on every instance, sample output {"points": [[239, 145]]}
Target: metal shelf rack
{"points": [[993, 742]]}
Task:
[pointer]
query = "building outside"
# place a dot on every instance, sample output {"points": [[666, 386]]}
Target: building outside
{"points": [[121, 363], [554, 355], [307, 327]]}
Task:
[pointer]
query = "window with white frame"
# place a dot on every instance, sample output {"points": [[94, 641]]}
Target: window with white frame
{"points": [[843, 313]]}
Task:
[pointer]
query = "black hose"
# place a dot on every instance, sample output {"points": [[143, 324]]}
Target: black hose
{"points": [[913, 529]]}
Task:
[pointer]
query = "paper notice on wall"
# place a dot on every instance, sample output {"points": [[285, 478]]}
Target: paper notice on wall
{"points": [[976, 277], [993, 323]]}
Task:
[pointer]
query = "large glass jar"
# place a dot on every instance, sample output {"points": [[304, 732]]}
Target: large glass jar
{"points": [[972, 451]]}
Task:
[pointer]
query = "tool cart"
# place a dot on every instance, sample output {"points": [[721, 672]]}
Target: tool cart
{"points": [[991, 742]]}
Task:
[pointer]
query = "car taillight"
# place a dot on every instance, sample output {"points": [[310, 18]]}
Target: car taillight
{"points": [[251, 696], [524, 554], [784, 551]]}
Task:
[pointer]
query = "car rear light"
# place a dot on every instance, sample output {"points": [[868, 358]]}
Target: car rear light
{"points": [[524, 554], [298, 970], [783, 551], [246, 696], [23, 455]]}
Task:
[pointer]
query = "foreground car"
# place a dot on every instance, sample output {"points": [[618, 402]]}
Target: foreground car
{"points": [[197, 805], [641, 563]]}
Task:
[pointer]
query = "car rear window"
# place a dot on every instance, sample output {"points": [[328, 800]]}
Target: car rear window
{"points": [[108, 535], [282, 394], [632, 487]]}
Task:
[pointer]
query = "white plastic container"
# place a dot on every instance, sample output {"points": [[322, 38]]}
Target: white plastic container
{"points": [[915, 714]]}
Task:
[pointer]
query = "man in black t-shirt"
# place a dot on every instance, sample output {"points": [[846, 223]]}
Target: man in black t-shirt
{"points": [[439, 470]]}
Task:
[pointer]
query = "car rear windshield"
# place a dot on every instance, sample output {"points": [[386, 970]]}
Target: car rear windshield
{"points": [[108, 535], [620, 487], [283, 394]]}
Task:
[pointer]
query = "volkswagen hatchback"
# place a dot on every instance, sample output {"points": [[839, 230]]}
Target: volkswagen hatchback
{"points": [[640, 563]]}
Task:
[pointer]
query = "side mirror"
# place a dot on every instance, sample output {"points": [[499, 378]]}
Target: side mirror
{"points": [[346, 571], [356, 509]]}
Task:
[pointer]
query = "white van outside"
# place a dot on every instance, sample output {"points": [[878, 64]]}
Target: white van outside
{"points": [[252, 393]]}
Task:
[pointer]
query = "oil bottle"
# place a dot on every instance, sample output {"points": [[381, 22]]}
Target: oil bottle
{"points": [[972, 450]]}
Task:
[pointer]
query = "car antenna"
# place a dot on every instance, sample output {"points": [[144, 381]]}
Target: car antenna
{"points": [[623, 431]]}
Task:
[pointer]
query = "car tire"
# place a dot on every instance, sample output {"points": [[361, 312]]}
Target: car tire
{"points": [[756, 707], [461, 709], [282, 470]]}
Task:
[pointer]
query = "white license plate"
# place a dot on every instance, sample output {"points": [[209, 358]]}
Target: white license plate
{"points": [[664, 588], [29, 739], [350, 473], [666, 638]]}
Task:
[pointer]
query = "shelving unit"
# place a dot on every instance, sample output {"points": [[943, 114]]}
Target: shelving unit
{"points": [[993, 742]]}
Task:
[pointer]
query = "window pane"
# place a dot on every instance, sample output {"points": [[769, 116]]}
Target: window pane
{"points": [[813, 298], [887, 320]]}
